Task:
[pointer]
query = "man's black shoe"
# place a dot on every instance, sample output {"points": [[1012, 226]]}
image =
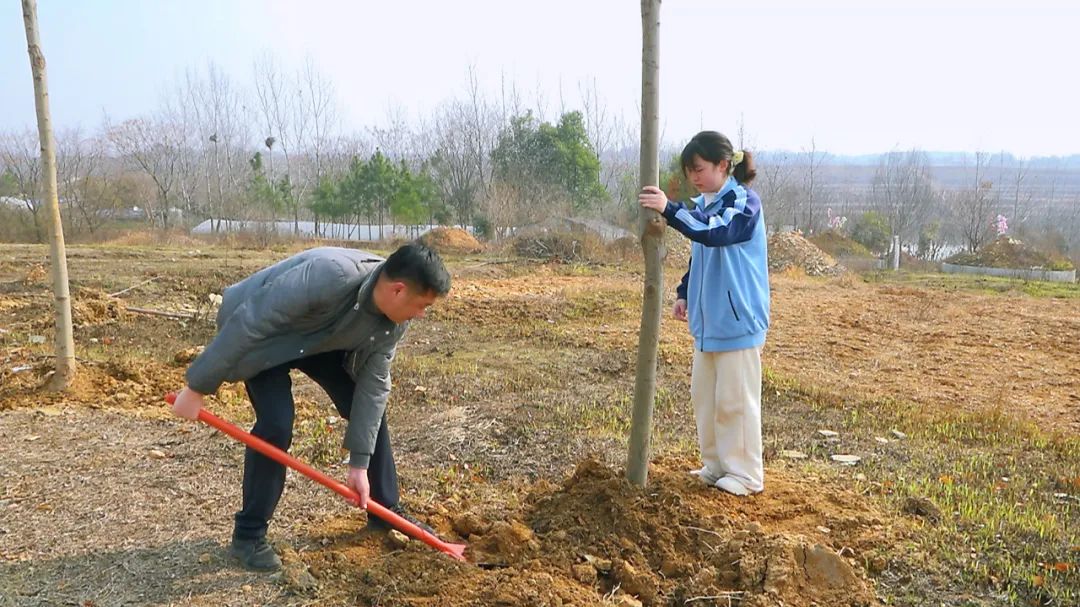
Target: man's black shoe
{"points": [[256, 555], [377, 524]]}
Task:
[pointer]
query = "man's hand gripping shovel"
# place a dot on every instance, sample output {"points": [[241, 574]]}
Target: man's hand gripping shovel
{"points": [[456, 551]]}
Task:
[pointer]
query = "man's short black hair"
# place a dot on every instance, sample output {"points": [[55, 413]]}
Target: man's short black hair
{"points": [[420, 267]]}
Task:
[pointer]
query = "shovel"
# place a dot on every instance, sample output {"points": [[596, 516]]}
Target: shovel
{"points": [[456, 551]]}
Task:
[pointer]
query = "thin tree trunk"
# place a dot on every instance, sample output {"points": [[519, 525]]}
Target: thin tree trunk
{"points": [[651, 229], [220, 190], [65, 343]]}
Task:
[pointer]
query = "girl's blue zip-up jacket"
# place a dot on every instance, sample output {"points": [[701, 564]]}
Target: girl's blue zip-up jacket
{"points": [[727, 285]]}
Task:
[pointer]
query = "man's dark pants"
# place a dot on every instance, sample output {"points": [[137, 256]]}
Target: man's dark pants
{"points": [[271, 394]]}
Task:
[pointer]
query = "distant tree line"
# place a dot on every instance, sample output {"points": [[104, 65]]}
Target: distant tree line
{"points": [[275, 148]]}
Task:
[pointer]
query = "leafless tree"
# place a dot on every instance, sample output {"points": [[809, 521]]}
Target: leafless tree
{"points": [[599, 124], [79, 162], [318, 101], [346, 147], [743, 139], [814, 159], [974, 207], [1022, 196], [20, 155], [192, 179], [620, 168], [286, 120], [777, 185], [509, 101], [219, 133], [903, 190], [394, 137], [484, 123], [154, 146], [454, 163]]}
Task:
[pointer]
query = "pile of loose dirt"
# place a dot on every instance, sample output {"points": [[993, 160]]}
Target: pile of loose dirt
{"points": [[787, 250], [790, 250], [37, 274], [115, 384], [187, 355], [598, 536], [1005, 252], [91, 307], [451, 240]]}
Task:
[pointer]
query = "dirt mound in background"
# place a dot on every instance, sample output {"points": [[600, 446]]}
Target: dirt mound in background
{"points": [[557, 246], [451, 240], [597, 536], [790, 250], [838, 245], [155, 238], [1005, 252]]}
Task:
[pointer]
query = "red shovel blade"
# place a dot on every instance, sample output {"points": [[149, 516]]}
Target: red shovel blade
{"points": [[456, 551]]}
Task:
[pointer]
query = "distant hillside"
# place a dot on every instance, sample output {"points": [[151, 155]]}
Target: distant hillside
{"points": [[941, 159]]}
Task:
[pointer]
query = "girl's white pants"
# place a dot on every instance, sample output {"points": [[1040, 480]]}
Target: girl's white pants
{"points": [[726, 391]]}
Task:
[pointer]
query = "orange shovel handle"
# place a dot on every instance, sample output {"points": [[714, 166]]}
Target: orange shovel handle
{"points": [[403, 525]]}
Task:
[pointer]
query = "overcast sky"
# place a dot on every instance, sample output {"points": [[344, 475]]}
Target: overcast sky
{"points": [[858, 77]]}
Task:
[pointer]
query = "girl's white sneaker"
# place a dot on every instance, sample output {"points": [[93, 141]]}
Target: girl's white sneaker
{"points": [[731, 485], [705, 475]]}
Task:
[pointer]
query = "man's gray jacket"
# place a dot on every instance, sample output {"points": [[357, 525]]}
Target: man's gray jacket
{"points": [[314, 302]]}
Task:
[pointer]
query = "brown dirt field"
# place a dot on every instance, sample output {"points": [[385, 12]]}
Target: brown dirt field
{"points": [[508, 414], [973, 351], [1015, 354]]}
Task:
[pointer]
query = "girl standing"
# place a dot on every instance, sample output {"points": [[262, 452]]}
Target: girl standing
{"points": [[724, 296]]}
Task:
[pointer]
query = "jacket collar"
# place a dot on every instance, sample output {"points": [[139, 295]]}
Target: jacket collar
{"points": [[365, 296], [699, 200]]}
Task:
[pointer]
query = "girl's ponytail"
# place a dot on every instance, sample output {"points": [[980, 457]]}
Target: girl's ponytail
{"points": [[745, 172]]}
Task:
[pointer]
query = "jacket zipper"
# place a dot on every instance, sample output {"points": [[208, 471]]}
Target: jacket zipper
{"points": [[701, 312]]}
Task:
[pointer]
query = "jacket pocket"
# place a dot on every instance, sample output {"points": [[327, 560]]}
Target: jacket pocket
{"points": [[731, 302]]}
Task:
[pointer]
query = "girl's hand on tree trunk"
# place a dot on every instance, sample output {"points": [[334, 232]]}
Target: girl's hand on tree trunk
{"points": [[652, 197]]}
